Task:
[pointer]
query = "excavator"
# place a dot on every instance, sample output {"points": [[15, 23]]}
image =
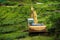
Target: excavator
{"points": [[33, 24]]}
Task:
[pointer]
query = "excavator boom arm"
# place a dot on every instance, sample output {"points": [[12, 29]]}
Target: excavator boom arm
{"points": [[34, 15]]}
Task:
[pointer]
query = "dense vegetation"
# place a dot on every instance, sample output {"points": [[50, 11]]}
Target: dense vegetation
{"points": [[13, 20], [23, 2]]}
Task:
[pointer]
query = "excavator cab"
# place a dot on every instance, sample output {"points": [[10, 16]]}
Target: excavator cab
{"points": [[33, 24], [30, 21]]}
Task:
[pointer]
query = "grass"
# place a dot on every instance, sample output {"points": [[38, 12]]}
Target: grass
{"points": [[37, 38]]}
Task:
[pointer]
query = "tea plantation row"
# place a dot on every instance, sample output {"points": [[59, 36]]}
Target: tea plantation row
{"points": [[14, 20]]}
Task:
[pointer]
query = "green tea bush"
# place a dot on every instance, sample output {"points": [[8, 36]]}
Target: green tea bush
{"points": [[10, 28], [13, 35], [14, 19]]}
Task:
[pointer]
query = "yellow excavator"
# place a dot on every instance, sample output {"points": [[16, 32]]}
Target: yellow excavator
{"points": [[33, 24]]}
